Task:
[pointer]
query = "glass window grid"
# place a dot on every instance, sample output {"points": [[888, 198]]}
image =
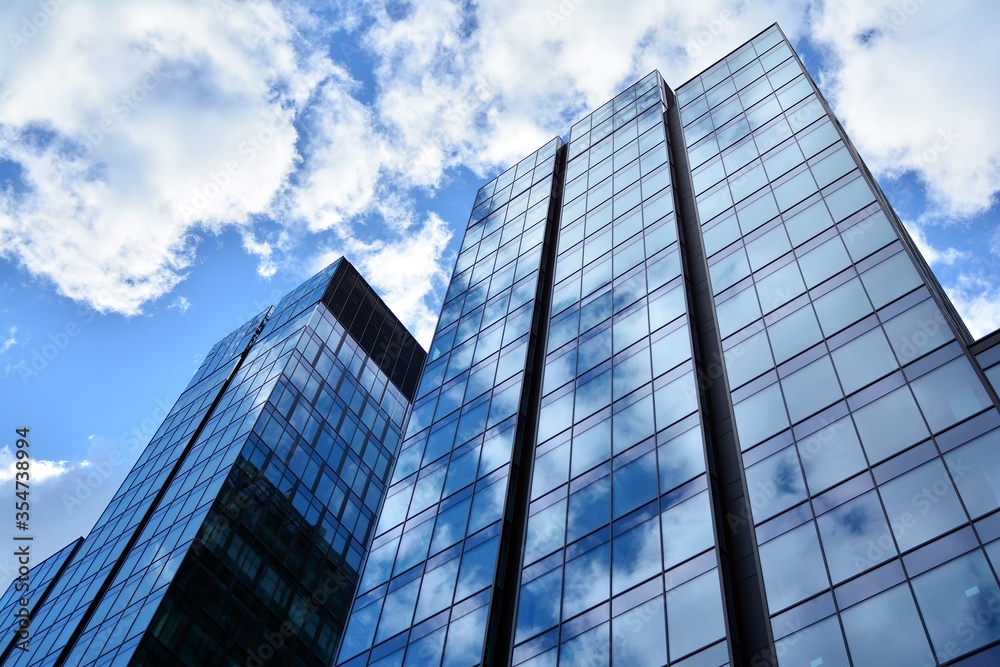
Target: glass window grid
{"points": [[517, 262], [598, 372], [822, 159], [346, 541]]}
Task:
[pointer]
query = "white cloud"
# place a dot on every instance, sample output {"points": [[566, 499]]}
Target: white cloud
{"points": [[140, 129], [906, 78], [181, 303], [977, 298], [933, 256], [40, 470], [135, 128], [404, 267], [10, 341]]}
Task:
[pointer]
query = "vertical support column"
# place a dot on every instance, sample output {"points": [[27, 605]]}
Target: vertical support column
{"points": [[500, 646], [750, 631]]}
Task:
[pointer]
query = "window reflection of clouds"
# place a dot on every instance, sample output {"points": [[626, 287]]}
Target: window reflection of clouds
{"points": [[636, 555], [855, 537]]}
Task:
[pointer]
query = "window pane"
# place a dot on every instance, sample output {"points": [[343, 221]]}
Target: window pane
{"points": [[546, 530], [950, 394], [831, 455], [436, 590], [923, 503], [737, 312], [863, 360], [780, 287], [808, 222], [823, 262], [590, 648], [538, 607], [729, 270], [720, 235], [842, 306], [775, 484], [589, 509], [852, 197], [952, 596], [891, 279], [886, 630], [636, 555], [855, 537], [694, 614], [890, 424], [687, 529], [769, 247], [793, 334], [975, 467], [917, 331], [638, 637], [675, 400], [550, 470], [869, 235], [748, 359], [792, 567], [810, 388], [634, 484], [398, 611], [591, 447], [588, 581], [465, 639], [819, 644], [633, 424], [682, 458], [760, 416], [671, 350]]}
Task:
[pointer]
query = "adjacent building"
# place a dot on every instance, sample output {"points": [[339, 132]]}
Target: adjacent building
{"points": [[694, 399], [237, 537]]}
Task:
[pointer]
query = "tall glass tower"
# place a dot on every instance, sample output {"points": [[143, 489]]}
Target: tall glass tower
{"points": [[237, 537], [694, 399]]}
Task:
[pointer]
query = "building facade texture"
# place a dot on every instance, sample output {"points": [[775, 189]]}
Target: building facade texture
{"points": [[694, 399], [237, 537]]}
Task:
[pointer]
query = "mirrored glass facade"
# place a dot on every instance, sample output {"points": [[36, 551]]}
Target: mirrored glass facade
{"points": [[747, 426], [237, 537]]}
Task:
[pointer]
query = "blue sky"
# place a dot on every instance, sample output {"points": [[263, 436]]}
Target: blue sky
{"points": [[168, 168]]}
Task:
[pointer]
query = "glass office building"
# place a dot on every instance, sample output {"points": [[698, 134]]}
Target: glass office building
{"points": [[694, 399], [237, 537]]}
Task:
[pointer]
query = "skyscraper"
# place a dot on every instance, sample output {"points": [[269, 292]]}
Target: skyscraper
{"points": [[694, 398], [237, 537]]}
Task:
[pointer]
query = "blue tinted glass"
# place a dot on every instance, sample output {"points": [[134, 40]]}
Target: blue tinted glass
{"points": [[819, 644], [957, 591], [863, 360], [889, 424], [775, 484], [694, 614], [855, 537], [831, 455], [950, 393], [588, 581], [634, 484], [760, 416], [791, 566], [975, 467], [923, 502], [538, 607], [638, 637], [886, 630], [636, 555], [687, 529], [589, 509]]}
